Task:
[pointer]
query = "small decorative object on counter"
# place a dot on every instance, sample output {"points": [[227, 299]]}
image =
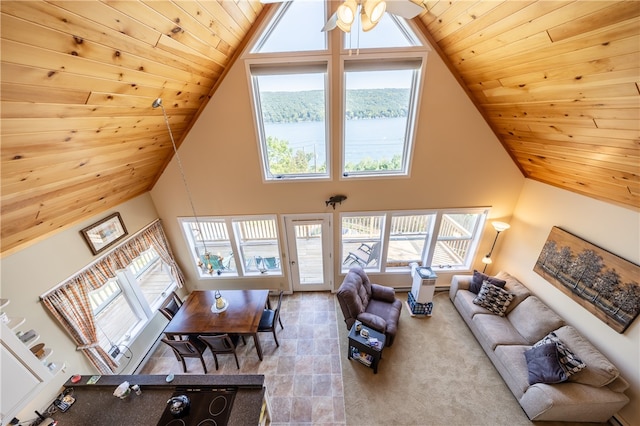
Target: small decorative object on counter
{"points": [[122, 391], [136, 389]]}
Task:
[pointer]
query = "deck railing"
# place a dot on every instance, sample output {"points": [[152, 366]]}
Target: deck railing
{"points": [[454, 239]]}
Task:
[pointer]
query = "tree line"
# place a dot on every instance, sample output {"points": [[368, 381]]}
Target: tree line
{"points": [[294, 107]]}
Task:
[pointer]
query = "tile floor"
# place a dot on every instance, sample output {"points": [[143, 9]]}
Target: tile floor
{"points": [[303, 375]]}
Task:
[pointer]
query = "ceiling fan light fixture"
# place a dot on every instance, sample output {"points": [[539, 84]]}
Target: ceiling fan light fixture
{"points": [[347, 12], [374, 9], [366, 23], [343, 26]]}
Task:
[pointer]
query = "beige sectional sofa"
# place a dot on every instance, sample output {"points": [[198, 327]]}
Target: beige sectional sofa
{"points": [[593, 394]]}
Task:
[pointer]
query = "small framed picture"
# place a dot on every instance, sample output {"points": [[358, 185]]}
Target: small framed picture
{"points": [[105, 233]]}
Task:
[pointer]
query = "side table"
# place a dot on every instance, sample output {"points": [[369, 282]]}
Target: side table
{"points": [[360, 349]]}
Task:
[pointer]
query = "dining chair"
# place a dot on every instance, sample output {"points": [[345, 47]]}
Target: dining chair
{"points": [[221, 344], [189, 348], [171, 305], [270, 319]]}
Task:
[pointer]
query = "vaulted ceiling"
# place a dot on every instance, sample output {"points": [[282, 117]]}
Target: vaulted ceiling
{"points": [[557, 81]]}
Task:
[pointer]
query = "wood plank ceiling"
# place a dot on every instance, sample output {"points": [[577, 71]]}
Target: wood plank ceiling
{"points": [[558, 81]]}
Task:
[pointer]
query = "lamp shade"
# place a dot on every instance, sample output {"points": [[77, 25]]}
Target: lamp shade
{"points": [[487, 260], [500, 226]]}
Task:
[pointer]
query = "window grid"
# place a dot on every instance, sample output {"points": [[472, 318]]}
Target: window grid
{"points": [[118, 313], [409, 237], [285, 158], [247, 246]]}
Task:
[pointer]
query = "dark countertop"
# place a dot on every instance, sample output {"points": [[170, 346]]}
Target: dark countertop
{"points": [[96, 405]]}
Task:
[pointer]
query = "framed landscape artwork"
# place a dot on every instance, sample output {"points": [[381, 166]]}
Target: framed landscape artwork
{"points": [[103, 234], [603, 283]]}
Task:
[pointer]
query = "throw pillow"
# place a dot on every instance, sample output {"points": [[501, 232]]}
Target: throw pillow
{"points": [[599, 370], [493, 299], [479, 278], [543, 365], [569, 361]]}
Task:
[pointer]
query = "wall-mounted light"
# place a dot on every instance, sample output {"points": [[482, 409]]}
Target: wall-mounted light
{"points": [[499, 227]]}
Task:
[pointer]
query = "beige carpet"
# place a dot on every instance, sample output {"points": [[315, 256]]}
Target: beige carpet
{"points": [[435, 373]]}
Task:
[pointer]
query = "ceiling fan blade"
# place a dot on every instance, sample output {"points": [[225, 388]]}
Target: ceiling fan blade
{"points": [[404, 8], [331, 23]]}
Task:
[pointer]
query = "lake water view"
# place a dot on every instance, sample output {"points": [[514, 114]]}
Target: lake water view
{"points": [[376, 138]]}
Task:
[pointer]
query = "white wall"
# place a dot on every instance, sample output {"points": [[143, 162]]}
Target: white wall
{"points": [[613, 228], [458, 162], [36, 269]]}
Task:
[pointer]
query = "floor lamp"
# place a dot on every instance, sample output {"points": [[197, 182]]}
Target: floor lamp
{"points": [[499, 227]]}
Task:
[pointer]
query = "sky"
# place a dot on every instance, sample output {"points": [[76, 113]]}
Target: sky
{"points": [[305, 19]]}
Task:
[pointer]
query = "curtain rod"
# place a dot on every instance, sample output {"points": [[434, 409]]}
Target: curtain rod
{"points": [[108, 253]]}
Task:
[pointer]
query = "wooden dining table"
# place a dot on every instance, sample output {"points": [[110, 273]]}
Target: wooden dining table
{"points": [[242, 315]]}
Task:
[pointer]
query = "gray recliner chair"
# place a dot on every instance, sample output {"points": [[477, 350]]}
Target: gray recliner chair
{"points": [[374, 305]]}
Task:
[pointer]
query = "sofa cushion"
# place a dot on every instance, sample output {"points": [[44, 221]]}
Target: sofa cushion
{"points": [[599, 370], [514, 287], [479, 278], [543, 364], [496, 330], [493, 298], [513, 367], [569, 361], [464, 303], [533, 319]]}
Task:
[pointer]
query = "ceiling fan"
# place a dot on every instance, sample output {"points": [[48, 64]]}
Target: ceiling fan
{"points": [[370, 11]]}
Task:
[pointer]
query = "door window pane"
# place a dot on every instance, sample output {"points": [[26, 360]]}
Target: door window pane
{"points": [[309, 253]]}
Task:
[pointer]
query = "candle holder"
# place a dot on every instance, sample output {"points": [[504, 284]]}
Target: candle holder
{"points": [[220, 304]]}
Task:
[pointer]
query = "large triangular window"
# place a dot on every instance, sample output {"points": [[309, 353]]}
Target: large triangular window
{"points": [[391, 32], [289, 29], [294, 66]]}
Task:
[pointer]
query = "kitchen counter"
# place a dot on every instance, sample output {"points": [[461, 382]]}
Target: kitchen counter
{"points": [[96, 405]]}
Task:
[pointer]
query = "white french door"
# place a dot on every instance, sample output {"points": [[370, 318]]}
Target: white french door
{"points": [[309, 251]]}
